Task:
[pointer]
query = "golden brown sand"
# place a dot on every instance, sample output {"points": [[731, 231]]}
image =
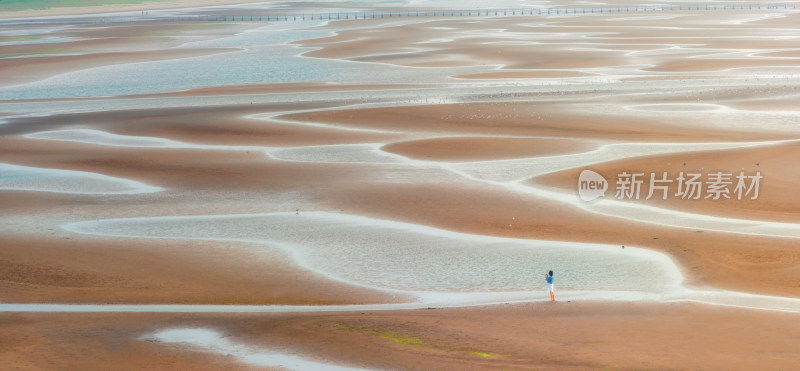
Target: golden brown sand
{"points": [[201, 125], [543, 336], [56, 269], [459, 149], [55, 266], [528, 119], [522, 75], [467, 209]]}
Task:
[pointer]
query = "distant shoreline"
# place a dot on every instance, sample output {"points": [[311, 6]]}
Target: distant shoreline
{"points": [[146, 5]]}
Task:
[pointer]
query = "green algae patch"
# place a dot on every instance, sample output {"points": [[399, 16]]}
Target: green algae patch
{"points": [[25, 37], [390, 335], [400, 339], [404, 339], [484, 355]]}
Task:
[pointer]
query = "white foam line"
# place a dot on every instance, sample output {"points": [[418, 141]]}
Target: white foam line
{"points": [[537, 166], [361, 153], [90, 136], [648, 17], [742, 300], [276, 117], [672, 218], [5, 119], [60, 177], [98, 137], [760, 54], [709, 297], [213, 342], [679, 107], [755, 18], [437, 302], [740, 54]]}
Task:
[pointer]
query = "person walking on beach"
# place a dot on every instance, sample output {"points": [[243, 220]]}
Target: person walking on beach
{"points": [[549, 278]]}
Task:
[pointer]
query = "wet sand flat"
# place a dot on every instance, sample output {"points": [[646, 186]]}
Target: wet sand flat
{"points": [[544, 336], [527, 119], [483, 148], [522, 75], [119, 7], [26, 70], [704, 257], [579, 43], [97, 46], [438, 147], [243, 125], [63, 269]]}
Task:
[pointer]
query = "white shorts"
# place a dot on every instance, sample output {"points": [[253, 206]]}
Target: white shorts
{"points": [[550, 287]]}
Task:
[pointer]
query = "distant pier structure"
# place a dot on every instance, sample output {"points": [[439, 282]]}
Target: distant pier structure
{"points": [[408, 13]]}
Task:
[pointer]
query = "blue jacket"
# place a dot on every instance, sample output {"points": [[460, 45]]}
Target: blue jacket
{"points": [[549, 279]]}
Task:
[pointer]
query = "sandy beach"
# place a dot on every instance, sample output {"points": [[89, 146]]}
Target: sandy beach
{"points": [[388, 193], [541, 336]]}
